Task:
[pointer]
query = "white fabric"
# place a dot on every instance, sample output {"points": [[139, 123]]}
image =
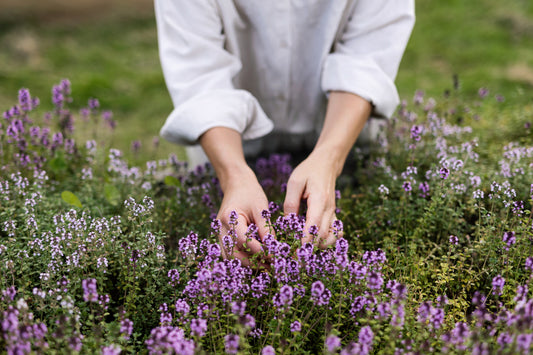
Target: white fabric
{"points": [[258, 66]]}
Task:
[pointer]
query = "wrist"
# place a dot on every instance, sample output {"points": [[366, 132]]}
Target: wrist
{"points": [[332, 156], [234, 175]]}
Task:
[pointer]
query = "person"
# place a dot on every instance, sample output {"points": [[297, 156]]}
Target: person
{"points": [[252, 77]]}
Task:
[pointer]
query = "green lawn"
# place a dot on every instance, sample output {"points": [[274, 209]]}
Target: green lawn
{"points": [[486, 43]]}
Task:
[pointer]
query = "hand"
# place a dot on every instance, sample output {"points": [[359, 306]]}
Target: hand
{"points": [[314, 180], [244, 195], [242, 192]]}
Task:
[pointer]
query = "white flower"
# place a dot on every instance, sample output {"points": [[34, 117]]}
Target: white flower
{"points": [[383, 190]]}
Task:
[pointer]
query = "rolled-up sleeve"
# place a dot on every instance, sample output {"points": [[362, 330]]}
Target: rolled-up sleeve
{"points": [[198, 72], [368, 52]]}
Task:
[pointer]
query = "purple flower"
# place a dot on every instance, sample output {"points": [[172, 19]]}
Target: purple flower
{"points": [[165, 340], [374, 281], [25, 100], [341, 246], [165, 318], [213, 251], [57, 97], [174, 277], [523, 341], [228, 242], [135, 146], [233, 218], [238, 308], [407, 186], [444, 173], [65, 86], [320, 295], [483, 92], [256, 333], [504, 339], [93, 104], [399, 291], [418, 99], [333, 342], [313, 230], [416, 132], [266, 215], [216, 225], [268, 350], [374, 257], [366, 336], [248, 321], [357, 270], [424, 189], [74, 342], [107, 116], [9, 294], [497, 285], [437, 317], [112, 349], [260, 284], [509, 239], [126, 328], [273, 207], [295, 326], [199, 326], [90, 293], [231, 343], [521, 293], [182, 307], [398, 315], [57, 139], [454, 240], [284, 297], [529, 264], [337, 227]]}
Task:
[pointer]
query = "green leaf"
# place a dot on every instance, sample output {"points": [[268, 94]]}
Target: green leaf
{"points": [[58, 164], [111, 194], [71, 199], [172, 181]]}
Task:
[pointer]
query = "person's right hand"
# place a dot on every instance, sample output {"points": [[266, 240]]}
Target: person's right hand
{"points": [[244, 195], [242, 192]]}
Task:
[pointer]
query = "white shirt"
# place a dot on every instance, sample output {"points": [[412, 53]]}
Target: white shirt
{"points": [[258, 66]]}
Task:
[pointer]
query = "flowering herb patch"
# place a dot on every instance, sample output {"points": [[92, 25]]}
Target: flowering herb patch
{"points": [[434, 254]]}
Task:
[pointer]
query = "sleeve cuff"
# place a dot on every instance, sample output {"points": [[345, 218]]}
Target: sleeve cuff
{"points": [[235, 109], [361, 77]]}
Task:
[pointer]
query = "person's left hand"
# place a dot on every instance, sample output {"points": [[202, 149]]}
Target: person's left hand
{"points": [[314, 181]]}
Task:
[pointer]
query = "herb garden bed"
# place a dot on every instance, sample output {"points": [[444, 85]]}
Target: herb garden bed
{"points": [[436, 253]]}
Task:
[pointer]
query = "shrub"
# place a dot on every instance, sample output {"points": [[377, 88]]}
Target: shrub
{"points": [[434, 253]]}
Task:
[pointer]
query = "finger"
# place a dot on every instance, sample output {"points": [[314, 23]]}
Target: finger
{"points": [[295, 190], [246, 244], [328, 237], [263, 231], [330, 240], [260, 222], [316, 205], [258, 264]]}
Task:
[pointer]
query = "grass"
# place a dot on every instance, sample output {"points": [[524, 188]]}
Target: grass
{"points": [[114, 58]]}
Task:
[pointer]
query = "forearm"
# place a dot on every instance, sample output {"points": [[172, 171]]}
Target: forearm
{"points": [[346, 116], [223, 147]]}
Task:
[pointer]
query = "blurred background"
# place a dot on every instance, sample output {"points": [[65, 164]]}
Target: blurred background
{"points": [[108, 50]]}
